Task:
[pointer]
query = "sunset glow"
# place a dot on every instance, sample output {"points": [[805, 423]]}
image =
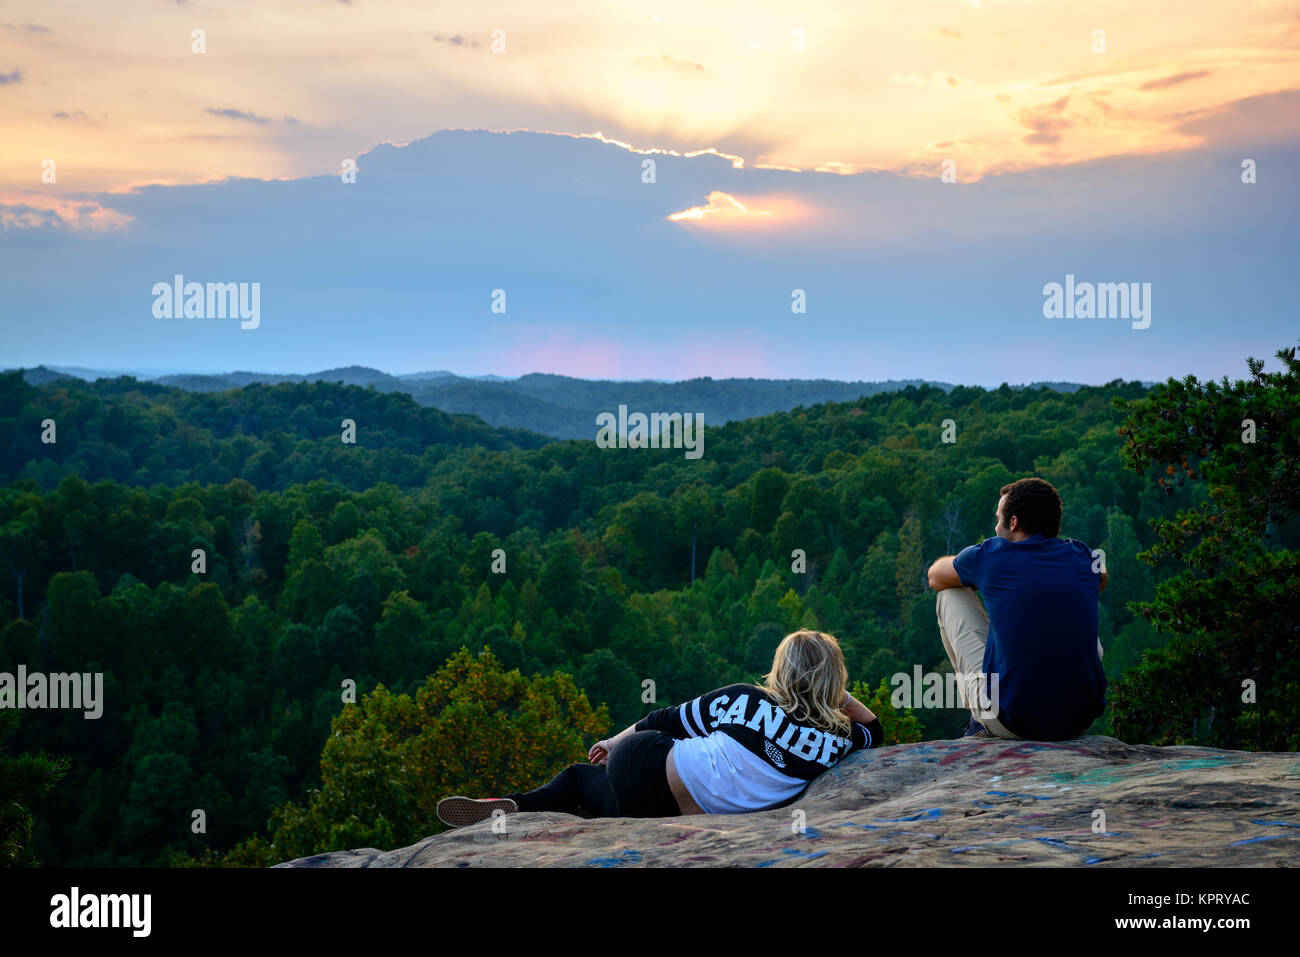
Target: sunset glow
{"points": [[729, 210], [721, 206], [991, 87], [584, 187]]}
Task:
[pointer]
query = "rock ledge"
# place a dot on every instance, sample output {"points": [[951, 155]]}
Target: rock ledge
{"points": [[1093, 801]]}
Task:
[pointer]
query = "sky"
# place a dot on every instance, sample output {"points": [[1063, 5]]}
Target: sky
{"points": [[916, 174]]}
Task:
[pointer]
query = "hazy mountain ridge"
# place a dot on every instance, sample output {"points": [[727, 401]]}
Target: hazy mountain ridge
{"points": [[557, 405]]}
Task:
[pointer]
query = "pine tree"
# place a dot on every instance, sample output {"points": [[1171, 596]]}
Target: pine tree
{"points": [[24, 778], [1230, 677], [909, 576]]}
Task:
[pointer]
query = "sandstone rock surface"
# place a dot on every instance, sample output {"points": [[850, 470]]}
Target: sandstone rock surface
{"points": [[936, 803]]}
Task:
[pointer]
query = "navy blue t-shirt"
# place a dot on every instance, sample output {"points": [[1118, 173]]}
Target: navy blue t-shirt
{"points": [[1041, 599]]}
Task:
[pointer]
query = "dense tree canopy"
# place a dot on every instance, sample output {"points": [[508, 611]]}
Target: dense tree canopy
{"points": [[230, 564], [1231, 676]]}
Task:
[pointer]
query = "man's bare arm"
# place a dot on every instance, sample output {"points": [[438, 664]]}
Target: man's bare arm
{"points": [[943, 574]]}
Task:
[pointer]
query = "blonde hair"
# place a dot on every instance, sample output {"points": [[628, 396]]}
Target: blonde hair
{"points": [[809, 680]]}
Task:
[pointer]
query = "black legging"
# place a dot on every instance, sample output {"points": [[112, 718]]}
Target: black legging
{"points": [[632, 783]]}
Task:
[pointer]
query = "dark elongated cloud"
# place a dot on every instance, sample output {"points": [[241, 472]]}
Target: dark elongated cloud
{"points": [[456, 41], [237, 115], [15, 77], [1174, 80]]}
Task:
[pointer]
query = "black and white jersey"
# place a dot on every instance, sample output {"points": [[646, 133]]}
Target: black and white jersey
{"points": [[750, 716]]}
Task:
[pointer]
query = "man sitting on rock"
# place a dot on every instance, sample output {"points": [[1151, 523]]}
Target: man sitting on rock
{"points": [[1034, 657]]}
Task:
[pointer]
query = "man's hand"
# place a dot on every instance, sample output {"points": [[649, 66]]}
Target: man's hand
{"points": [[943, 574], [1104, 578]]}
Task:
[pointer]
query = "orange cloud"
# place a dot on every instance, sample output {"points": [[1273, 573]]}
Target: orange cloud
{"points": [[1169, 81], [924, 72]]}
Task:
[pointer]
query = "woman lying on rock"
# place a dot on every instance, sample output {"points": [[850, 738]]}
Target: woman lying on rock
{"points": [[739, 748]]}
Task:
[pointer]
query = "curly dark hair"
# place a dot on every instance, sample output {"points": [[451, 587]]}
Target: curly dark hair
{"points": [[1036, 503]]}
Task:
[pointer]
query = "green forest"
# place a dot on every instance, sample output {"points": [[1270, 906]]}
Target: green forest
{"points": [[554, 405], [441, 606]]}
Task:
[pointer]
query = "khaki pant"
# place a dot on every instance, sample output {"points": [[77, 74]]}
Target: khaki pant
{"points": [[964, 628]]}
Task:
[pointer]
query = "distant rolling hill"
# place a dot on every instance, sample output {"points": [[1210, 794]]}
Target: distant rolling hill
{"points": [[567, 408], [557, 405], [42, 375]]}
